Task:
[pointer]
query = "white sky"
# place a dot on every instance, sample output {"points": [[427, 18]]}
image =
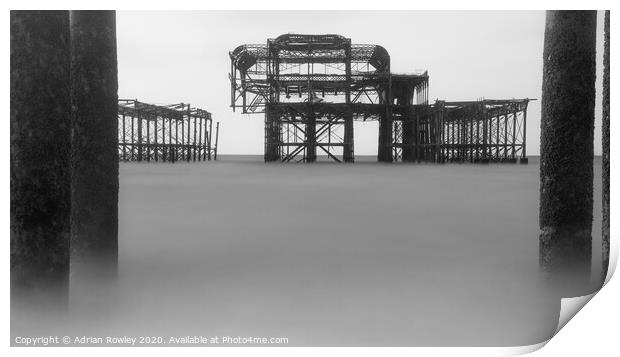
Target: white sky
{"points": [[182, 56]]}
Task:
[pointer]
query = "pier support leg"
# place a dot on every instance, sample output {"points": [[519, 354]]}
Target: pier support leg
{"points": [[385, 138], [271, 136], [408, 139], [605, 249], [567, 126], [310, 137], [94, 196], [40, 154], [348, 150]]}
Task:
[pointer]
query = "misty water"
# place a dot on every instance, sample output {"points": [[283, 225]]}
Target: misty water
{"points": [[324, 254]]}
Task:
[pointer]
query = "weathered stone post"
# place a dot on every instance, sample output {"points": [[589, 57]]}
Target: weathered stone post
{"points": [[606, 148], [94, 193], [40, 149], [567, 126]]}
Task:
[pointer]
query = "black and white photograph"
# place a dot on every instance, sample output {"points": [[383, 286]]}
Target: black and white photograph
{"points": [[306, 178]]}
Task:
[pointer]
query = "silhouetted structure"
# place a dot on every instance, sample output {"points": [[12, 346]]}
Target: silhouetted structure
{"points": [[567, 127], [477, 131], [40, 154], [176, 132], [94, 159], [606, 148], [312, 87]]}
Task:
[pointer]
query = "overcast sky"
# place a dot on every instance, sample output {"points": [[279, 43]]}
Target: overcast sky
{"points": [[181, 56]]}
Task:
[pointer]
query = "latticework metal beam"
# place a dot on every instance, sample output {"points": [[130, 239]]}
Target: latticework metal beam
{"points": [[312, 87], [170, 133]]}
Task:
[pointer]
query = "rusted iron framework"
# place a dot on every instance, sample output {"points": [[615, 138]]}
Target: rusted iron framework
{"points": [[473, 131], [312, 88], [170, 133]]}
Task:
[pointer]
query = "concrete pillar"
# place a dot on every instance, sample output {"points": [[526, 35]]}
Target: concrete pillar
{"points": [[567, 126], [94, 194], [40, 149], [606, 148]]}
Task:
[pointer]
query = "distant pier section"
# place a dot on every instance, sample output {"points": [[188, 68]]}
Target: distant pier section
{"points": [[311, 88], [170, 133]]}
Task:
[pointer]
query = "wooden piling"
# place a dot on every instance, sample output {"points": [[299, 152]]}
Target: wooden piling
{"points": [[606, 157], [40, 156], [94, 193], [567, 126]]}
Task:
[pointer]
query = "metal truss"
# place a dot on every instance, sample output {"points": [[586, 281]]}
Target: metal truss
{"points": [[482, 131], [300, 131], [312, 87], [476, 131], [170, 133]]}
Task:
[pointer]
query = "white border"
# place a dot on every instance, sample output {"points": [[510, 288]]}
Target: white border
{"points": [[593, 331]]}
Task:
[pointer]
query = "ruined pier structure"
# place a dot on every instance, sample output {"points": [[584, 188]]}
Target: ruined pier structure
{"points": [[311, 88], [171, 133]]}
